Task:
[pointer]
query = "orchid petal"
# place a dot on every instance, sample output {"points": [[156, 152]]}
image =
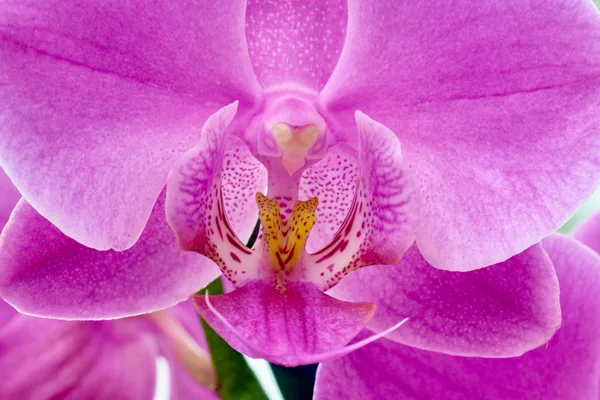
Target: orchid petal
{"points": [[212, 184], [500, 311], [98, 100], [289, 327], [379, 226], [305, 358], [588, 232], [187, 316], [9, 196], [495, 103], [44, 359], [566, 368], [183, 350], [183, 386], [295, 41], [7, 312], [45, 273]]}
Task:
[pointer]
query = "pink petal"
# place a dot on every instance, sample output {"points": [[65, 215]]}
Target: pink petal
{"points": [[567, 367], [379, 225], [187, 316], [45, 273], [500, 311], [9, 196], [295, 41], [588, 232], [98, 100], [51, 359], [286, 327], [183, 385], [495, 103], [7, 312], [211, 198]]}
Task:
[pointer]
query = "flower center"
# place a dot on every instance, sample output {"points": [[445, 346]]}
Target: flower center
{"points": [[290, 132], [285, 239], [294, 143]]}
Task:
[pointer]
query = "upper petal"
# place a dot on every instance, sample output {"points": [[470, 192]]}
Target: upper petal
{"points": [[98, 99], [567, 368], [286, 327], [495, 104], [44, 359], [295, 41], [46, 273], [500, 311]]}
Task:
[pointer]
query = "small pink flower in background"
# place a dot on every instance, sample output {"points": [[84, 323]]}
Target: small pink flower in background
{"points": [[567, 367], [369, 125], [45, 358]]}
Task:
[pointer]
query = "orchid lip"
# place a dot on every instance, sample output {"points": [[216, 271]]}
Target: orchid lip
{"points": [[284, 359]]}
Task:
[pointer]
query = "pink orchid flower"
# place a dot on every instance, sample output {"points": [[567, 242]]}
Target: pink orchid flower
{"points": [[49, 359], [567, 367], [369, 125]]}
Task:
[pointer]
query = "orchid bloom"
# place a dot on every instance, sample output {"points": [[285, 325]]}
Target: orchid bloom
{"points": [[45, 358], [567, 367], [349, 129]]}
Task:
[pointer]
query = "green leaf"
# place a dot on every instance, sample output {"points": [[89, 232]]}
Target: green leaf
{"points": [[236, 380]]}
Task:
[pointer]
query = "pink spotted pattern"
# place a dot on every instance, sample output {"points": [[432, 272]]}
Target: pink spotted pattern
{"points": [[242, 176], [377, 229], [333, 181], [203, 200]]}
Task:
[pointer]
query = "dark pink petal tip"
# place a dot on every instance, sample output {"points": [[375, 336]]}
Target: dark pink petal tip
{"points": [[300, 325]]}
